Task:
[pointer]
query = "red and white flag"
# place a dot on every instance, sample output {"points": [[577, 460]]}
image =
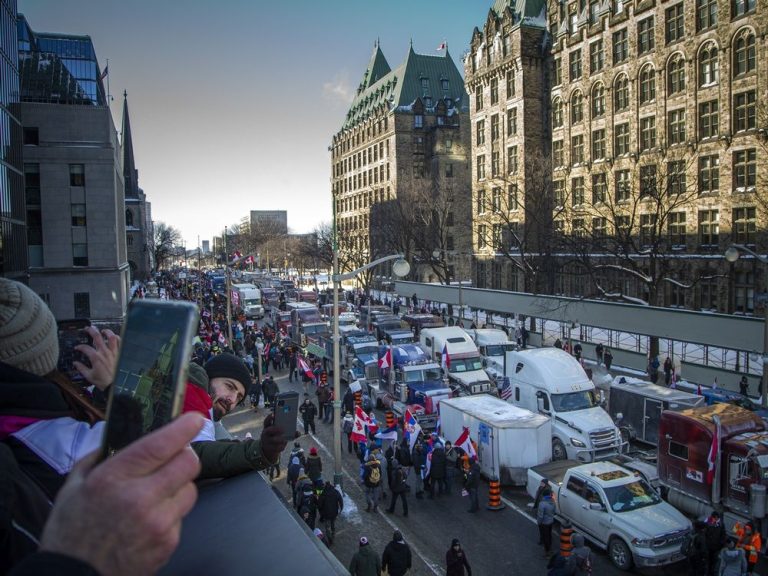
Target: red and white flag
{"points": [[386, 360], [712, 455], [305, 368], [358, 428], [250, 259], [445, 358], [465, 443], [443, 46]]}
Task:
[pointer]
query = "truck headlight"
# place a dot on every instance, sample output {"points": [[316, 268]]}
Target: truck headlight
{"points": [[642, 542], [578, 443]]}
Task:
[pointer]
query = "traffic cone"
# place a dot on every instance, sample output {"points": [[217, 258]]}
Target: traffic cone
{"points": [[566, 532], [494, 496]]}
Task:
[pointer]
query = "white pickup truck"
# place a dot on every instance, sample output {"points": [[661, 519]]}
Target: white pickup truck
{"points": [[616, 509]]}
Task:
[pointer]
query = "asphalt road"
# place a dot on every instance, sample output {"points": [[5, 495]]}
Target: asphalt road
{"points": [[495, 542]]}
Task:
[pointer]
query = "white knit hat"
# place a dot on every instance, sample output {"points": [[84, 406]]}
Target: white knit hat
{"points": [[28, 334]]}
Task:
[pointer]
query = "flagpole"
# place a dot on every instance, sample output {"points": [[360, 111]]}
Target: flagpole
{"points": [[109, 94]]}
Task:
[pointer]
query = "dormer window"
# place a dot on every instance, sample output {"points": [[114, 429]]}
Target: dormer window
{"points": [[445, 85], [428, 101], [425, 83]]}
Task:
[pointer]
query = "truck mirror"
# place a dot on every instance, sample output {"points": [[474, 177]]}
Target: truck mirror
{"points": [[596, 506]]}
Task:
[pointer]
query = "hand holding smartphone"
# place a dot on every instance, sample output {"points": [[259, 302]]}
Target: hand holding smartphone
{"points": [[285, 410]]}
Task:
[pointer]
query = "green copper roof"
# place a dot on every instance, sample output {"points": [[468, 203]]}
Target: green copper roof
{"points": [[531, 9], [419, 76]]}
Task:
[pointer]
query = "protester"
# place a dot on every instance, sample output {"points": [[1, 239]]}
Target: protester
{"points": [[715, 538], [581, 556], [545, 518], [748, 540], [298, 452], [314, 466], [330, 505], [365, 562], [732, 560], [308, 411], [399, 488], [471, 485], [396, 559], [347, 425], [372, 480], [456, 561], [438, 472]]}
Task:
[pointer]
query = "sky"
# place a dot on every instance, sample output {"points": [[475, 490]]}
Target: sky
{"points": [[233, 103]]}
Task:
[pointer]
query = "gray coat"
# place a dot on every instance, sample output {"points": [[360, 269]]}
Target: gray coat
{"points": [[732, 562], [545, 513]]}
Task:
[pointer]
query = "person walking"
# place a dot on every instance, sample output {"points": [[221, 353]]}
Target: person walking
{"points": [[607, 358], [438, 472], [271, 390], [397, 558], [419, 461], [308, 411], [744, 386], [599, 349], [314, 466], [732, 561], [372, 481], [330, 505], [365, 562], [545, 518], [715, 538], [668, 368], [471, 485], [399, 488], [254, 394], [456, 563], [347, 425]]}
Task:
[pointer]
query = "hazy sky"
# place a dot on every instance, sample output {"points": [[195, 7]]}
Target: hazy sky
{"points": [[233, 103]]}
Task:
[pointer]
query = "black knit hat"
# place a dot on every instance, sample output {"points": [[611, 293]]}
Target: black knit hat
{"points": [[228, 366]]}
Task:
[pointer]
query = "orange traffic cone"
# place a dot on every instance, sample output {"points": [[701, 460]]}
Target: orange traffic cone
{"points": [[494, 496]]}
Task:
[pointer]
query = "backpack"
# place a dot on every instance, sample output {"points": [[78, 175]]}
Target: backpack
{"points": [[373, 475]]}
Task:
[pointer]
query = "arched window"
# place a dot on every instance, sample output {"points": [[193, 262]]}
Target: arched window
{"points": [[598, 101], [647, 85], [709, 66], [557, 113], [128, 218], [621, 93], [577, 108], [744, 54], [676, 75]]}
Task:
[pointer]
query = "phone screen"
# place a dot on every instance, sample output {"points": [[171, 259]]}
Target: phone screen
{"points": [[286, 410], [148, 390]]}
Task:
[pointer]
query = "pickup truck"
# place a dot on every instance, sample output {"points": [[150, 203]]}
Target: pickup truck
{"points": [[616, 509]]}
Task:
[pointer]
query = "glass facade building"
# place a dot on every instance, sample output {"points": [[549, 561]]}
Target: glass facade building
{"points": [[13, 241], [58, 68]]}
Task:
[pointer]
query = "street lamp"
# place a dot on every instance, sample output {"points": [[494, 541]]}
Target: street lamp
{"points": [[732, 254], [400, 268]]}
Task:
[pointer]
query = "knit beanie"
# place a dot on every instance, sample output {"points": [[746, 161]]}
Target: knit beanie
{"points": [[29, 337], [228, 366]]}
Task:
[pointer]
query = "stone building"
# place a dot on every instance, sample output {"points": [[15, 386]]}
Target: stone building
{"points": [[73, 179], [400, 167]]}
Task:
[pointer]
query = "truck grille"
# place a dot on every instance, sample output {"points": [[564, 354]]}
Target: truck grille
{"points": [[480, 388], [671, 539], [603, 439]]}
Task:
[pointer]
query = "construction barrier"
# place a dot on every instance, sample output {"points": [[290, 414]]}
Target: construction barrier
{"points": [[390, 419], [566, 546], [494, 496]]}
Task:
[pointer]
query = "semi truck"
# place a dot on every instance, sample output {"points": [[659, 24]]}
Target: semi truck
{"points": [[464, 367], [492, 344], [248, 298], [552, 382], [415, 382]]}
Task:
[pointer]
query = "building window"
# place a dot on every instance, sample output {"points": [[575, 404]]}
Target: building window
{"points": [[577, 108], [596, 57], [676, 228], [598, 144], [557, 113], [648, 229], [82, 305], [645, 41], [675, 177], [425, 84], [494, 127], [744, 111], [621, 179], [579, 228], [496, 199], [598, 101], [599, 188], [709, 227], [577, 190], [709, 66], [577, 149], [31, 136], [675, 27], [512, 121], [621, 137], [506, 47], [647, 85], [706, 14], [480, 132], [481, 167], [77, 174], [744, 170], [623, 227], [648, 133], [482, 236], [708, 119], [496, 236], [479, 100], [512, 159], [648, 181], [481, 201], [418, 121], [445, 85], [449, 170], [621, 93], [574, 66], [512, 197], [495, 164], [511, 88], [744, 55], [742, 7], [558, 72], [676, 127], [494, 91], [744, 225], [744, 295], [128, 219], [78, 215], [79, 254], [620, 46], [709, 174], [129, 239], [676, 75], [558, 158], [599, 230], [558, 188], [708, 295]]}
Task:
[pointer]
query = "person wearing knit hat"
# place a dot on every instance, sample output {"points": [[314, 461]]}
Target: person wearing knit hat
{"points": [[456, 560], [365, 562], [229, 380]]}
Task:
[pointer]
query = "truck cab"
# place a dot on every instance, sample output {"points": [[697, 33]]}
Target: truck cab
{"points": [[493, 344], [552, 382], [364, 349], [398, 336], [248, 298], [465, 366], [617, 510]]}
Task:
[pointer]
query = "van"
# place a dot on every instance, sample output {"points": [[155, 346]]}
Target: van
{"points": [[464, 366]]}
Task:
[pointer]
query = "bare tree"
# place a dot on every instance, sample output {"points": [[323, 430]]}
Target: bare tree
{"points": [[166, 241]]}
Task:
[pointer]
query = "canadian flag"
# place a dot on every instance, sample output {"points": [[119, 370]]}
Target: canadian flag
{"points": [[250, 259], [358, 430], [386, 360], [712, 456], [442, 46], [465, 443], [305, 368], [445, 358]]}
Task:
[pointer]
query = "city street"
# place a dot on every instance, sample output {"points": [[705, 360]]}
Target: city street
{"points": [[495, 542]]}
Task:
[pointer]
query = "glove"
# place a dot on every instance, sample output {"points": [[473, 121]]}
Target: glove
{"points": [[272, 440]]}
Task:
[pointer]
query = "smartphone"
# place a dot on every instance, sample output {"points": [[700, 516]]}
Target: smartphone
{"points": [[151, 375], [71, 333], [286, 410]]}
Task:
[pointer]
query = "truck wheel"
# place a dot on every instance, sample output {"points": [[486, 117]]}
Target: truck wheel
{"points": [[620, 554], [558, 450]]}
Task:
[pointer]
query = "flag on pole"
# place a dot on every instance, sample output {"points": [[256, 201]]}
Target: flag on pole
{"points": [[411, 429], [445, 358], [358, 428], [104, 74], [712, 455], [369, 421], [428, 466], [387, 434], [386, 360], [250, 260], [506, 389], [443, 46], [465, 443], [305, 368]]}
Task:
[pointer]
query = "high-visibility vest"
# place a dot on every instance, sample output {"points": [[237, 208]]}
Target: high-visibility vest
{"points": [[751, 544]]}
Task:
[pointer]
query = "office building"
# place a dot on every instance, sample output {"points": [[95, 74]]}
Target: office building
{"points": [[274, 222]]}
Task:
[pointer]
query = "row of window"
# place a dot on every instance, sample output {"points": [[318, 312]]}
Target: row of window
{"points": [[362, 159], [510, 84], [361, 135], [512, 163], [363, 200], [495, 125]]}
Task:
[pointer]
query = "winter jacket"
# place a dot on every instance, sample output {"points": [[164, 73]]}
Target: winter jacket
{"points": [[418, 459], [348, 424], [365, 562], [732, 562], [472, 480], [270, 388], [293, 470], [715, 536], [396, 558], [399, 480], [330, 503], [314, 467], [308, 411], [456, 562], [298, 453], [545, 514], [439, 464], [368, 471], [323, 394]]}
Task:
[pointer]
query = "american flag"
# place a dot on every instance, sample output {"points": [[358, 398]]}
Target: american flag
{"points": [[506, 389]]}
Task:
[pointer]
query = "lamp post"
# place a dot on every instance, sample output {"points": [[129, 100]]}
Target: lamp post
{"points": [[732, 255], [400, 268]]}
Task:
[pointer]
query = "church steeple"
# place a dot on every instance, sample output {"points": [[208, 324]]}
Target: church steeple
{"points": [[130, 174]]}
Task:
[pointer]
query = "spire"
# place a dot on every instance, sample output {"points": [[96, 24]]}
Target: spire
{"points": [[130, 174], [378, 67]]}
